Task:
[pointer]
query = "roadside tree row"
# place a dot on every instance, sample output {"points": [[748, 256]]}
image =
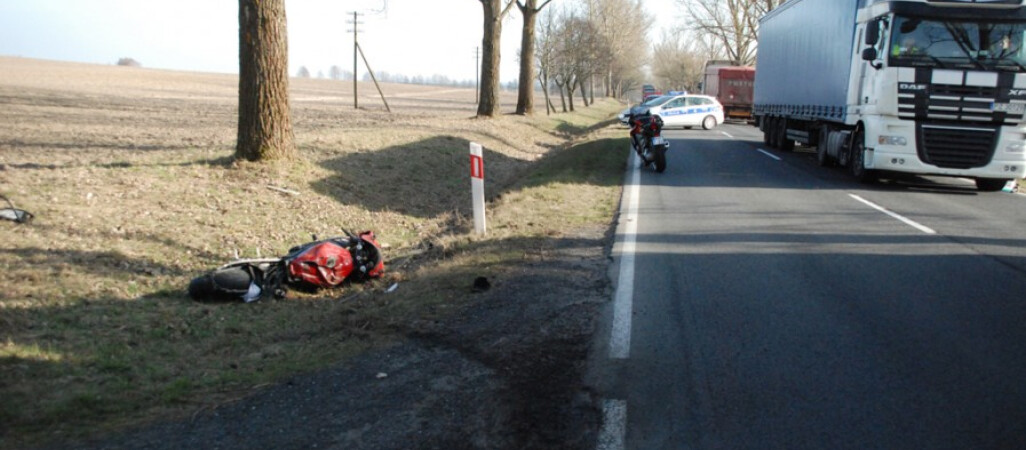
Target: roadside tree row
{"points": [[585, 47], [714, 30], [571, 47], [588, 46]]}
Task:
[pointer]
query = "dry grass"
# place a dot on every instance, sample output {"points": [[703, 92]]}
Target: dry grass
{"points": [[129, 174]]}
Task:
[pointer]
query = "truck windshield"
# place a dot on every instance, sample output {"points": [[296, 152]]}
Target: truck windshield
{"points": [[958, 44]]}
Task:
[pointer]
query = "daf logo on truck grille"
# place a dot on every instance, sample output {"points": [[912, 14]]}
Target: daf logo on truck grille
{"points": [[912, 87]]}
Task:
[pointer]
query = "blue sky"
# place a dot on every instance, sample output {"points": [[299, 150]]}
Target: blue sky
{"points": [[410, 38]]}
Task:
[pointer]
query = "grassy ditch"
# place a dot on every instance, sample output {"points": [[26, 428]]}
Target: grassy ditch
{"points": [[96, 331]]}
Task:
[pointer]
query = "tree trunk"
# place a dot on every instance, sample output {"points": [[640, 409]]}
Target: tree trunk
{"points": [[584, 92], [571, 87], [265, 119], [610, 88], [488, 103], [591, 88], [562, 95], [525, 94], [544, 80]]}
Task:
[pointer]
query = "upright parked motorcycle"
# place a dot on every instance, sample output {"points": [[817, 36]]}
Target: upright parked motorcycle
{"points": [[647, 140]]}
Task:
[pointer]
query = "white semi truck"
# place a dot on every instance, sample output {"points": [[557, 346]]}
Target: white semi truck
{"points": [[932, 87]]}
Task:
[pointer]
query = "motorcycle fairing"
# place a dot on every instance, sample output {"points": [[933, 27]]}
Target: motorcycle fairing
{"points": [[324, 264]]}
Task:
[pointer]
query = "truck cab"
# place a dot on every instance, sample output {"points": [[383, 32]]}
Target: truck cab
{"points": [[946, 83], [931, 87]]}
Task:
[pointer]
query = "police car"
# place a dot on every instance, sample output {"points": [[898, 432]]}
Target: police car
{"points": [[687, 110]]}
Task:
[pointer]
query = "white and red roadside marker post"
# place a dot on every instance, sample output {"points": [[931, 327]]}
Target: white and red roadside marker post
{"points": [[477, 187]]}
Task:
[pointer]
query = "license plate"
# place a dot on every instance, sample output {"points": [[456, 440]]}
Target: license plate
{"points": [[1011, 108], [658, 140]]}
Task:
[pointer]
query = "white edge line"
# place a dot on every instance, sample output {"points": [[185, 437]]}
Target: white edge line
{"points": [[727, 134], [764, 152], [907, 221], [614, 425], [620, 334]]}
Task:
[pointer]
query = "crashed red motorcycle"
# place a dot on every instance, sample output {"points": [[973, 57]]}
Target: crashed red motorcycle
{"points": [[647, 140], [318, 264]]}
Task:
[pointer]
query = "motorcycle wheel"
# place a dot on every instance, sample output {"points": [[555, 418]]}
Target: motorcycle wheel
{"points": [[660, 160], [228, 284]]}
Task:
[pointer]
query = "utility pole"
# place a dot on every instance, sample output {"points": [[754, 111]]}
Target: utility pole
{"points": [[356, 48]]}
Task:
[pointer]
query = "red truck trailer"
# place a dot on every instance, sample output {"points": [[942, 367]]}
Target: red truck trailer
{"points": [[735, 86]]}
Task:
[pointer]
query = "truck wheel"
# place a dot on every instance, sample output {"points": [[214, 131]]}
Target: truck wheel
{"points": [[990, 184], [708, 122], [858, 160], [764, 128], [772, 132], [822, 157], [784, 144]]}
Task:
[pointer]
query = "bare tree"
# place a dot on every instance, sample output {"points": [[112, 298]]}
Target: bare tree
{"points": [[563, 74], [590, 52], [494, 12], [678, 63], [336, 73], [265, 119], [734, 23], [584, 90], [129, 62], [619, 27], [525, 94], [303, 72], [574, 58], [545, 55], [559, 80], [575, 54], [759, 9]]}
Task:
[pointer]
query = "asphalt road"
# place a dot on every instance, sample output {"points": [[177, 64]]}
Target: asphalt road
{"points": [[778, 304]]}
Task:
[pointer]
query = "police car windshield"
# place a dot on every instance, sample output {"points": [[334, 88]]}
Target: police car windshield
{"points": [[657, 101], [958, 44]]}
